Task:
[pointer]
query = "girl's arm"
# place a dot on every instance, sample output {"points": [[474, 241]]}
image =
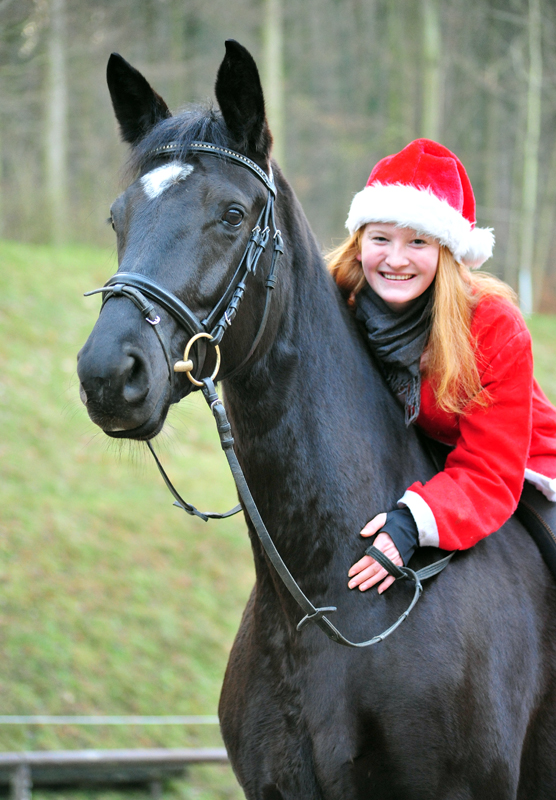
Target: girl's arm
{"points": [[480, 486]]}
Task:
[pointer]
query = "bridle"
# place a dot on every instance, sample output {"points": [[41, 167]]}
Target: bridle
{"points": [[141, 290]]}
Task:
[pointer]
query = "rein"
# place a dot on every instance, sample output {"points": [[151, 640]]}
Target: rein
{"points": [[141, 289], [312, 613]]}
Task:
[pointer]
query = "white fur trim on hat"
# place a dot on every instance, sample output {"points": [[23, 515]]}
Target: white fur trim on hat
{"points": [[418, 208]]}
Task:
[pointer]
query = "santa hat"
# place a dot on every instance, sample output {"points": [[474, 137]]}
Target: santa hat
{"points": [[425, 187]]}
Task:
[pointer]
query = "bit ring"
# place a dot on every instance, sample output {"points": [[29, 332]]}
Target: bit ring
{"points": [[187, 364]]}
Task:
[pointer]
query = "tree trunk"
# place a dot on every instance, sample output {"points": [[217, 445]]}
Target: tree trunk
{"points": [[1, 185], [273, 74], [546, 227], [399, 98], [56, 134], [431, 119], [530, 160]]}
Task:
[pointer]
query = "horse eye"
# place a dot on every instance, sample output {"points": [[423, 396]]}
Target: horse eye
{"points": [[110, 221], [233, 216]]}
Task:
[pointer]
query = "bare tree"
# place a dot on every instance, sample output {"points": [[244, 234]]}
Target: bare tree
{"points": [[531, 160], [431, 119], [1, 192], [56, 123], [364, 77], [273, 74]]}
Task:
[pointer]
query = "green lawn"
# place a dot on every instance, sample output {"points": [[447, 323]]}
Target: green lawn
{"points": [[543, 329], [112, 601]]}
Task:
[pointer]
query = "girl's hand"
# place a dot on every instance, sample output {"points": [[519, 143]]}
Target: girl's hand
{"points": [[367, 572]]}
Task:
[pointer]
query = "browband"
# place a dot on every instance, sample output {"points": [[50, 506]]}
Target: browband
{"points": [[206, 147]]}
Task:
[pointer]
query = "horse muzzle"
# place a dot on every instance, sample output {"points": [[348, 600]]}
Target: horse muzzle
{"points": [[123, 383]]}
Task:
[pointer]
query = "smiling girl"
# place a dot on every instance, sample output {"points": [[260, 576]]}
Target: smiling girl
{"points": [[454, 349], [398, 263]]}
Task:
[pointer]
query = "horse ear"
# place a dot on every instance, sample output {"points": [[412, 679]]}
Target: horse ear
{"points": [[136, 105], [240, 97]]}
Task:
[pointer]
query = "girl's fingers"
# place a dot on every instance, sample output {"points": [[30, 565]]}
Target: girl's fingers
{"points": [[366, 572], [385, 584], [369, 565], [367, 578], [363, 563], [384, 543], [374, 525]]}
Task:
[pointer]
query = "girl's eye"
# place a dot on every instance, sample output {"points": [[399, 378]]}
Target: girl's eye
{"points": [[233, 216], [379, 239]]}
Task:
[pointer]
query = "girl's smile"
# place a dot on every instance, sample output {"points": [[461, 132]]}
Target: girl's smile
{"points": [[398, 263]]}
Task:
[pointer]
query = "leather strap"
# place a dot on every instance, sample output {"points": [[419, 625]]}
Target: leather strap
{"points": [[175, 148], [183, 504], [158, 293], [148, 310], [312, 613]]}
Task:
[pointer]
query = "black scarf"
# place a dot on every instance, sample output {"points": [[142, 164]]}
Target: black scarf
{"points": [[398, 339]]}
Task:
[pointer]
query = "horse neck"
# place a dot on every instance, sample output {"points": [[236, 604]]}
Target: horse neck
{"points": [[310, 319], [312, 418]]}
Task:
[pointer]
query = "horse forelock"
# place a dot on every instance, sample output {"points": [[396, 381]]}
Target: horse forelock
{"points": [[196, 123]]}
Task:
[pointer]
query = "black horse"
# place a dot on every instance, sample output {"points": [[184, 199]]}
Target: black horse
{"points": [[459, 703]]}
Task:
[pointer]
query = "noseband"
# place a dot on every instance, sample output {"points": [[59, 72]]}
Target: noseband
{"points": [[141, 290]]}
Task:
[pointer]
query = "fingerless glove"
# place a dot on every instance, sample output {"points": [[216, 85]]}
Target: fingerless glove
{"points": [[401, 527]]}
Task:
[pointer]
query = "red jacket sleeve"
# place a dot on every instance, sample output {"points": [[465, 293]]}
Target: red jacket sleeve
{"points": [[480, 486]]}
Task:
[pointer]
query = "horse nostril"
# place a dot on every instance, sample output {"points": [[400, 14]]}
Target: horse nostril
{"points": [[136, 385]]}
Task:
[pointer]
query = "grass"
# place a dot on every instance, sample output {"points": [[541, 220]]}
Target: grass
{"points": [[111, 600], [543, 330]]}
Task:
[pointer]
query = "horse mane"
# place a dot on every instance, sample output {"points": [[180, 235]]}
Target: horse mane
{"points": [[196, 123]]}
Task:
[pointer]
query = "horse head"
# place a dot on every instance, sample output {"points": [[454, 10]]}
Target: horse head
{"points": [[191, 227]]}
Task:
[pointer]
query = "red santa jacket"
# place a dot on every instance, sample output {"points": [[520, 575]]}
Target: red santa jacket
{"points": [[495, 448]]}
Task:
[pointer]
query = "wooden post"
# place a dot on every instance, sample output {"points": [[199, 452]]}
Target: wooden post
{"points": [[21, 784]]}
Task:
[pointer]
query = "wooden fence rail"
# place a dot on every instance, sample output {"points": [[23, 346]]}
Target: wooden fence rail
{"points": [[21, 771]]}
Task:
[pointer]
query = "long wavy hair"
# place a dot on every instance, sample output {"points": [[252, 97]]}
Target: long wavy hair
{"points": [[450, 360]]}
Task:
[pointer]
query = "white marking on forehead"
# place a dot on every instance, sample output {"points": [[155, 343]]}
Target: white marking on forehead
{"points": [[158, 180]]}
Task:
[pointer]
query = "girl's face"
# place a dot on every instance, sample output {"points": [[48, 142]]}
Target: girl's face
{"points": [[398, 264]]}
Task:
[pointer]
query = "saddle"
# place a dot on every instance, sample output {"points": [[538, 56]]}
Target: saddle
{"points": [[538, 515]]}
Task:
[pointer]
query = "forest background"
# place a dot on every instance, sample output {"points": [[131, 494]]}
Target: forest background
{"points": [[347, 82]]}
